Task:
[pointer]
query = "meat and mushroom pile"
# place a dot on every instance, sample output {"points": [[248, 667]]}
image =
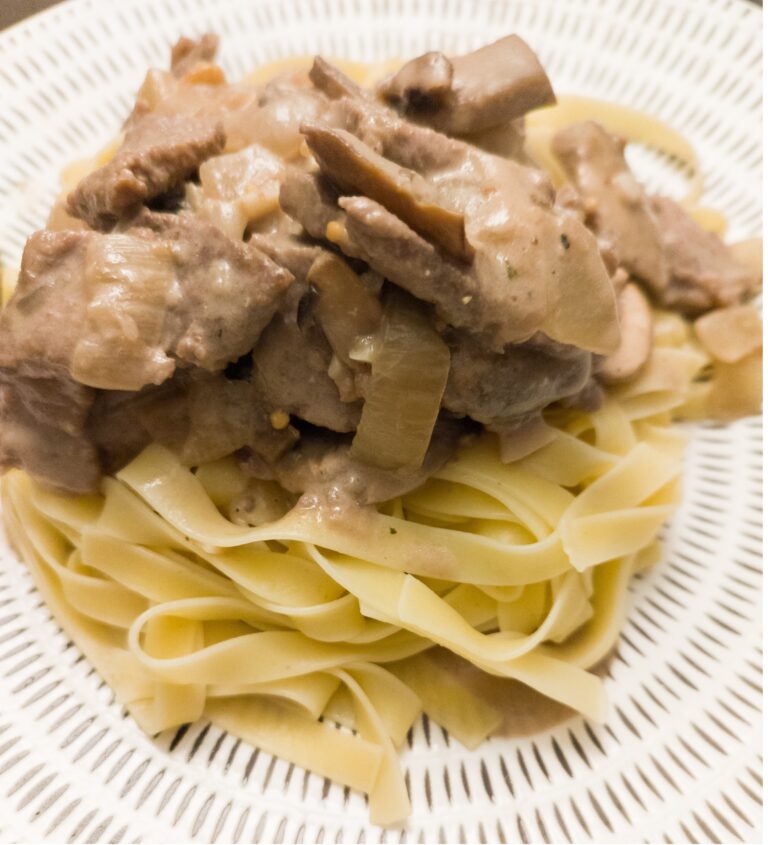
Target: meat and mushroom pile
{"points": [[334, 284]]}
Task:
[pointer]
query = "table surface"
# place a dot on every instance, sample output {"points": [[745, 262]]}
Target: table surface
{"points": [[12, 11]]}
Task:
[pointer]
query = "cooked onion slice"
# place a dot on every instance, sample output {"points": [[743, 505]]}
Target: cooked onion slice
{"points": [[345, 307], [730, 334], [409, 372]]}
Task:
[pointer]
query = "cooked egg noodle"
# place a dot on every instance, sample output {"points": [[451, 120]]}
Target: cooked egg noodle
{"points": [[276, 631]]}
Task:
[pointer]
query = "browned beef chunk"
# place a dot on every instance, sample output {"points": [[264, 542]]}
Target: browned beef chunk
{"points": [[186, 52], [41, 326], [482, 89], [44, 411], [269, 114], [703, 273], [523, 379], [321, 466], [209, 416], [229, 291], [116, 421], [289, 247], [159, 152], [119, 312], [507, 392], [64, 460], [290, 369], [115, 427], [616, 206], [532, 266], [201, 416]]}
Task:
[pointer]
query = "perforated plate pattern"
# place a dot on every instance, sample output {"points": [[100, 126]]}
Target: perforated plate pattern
{"points": [[679, 759]]}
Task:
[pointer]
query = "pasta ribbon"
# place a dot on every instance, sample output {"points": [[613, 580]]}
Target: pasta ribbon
{"points": [[277, 631]]}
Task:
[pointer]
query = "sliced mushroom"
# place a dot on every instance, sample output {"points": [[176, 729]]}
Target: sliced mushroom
{"points": [[332, 82], [482, 89], [421, 84], [356, 169], [636, 322]]}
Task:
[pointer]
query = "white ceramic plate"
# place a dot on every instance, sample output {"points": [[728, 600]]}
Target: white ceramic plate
{"points": [[679, 759]]}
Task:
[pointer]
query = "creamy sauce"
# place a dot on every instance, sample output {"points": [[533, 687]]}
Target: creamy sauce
{"points": [[525, 712]]}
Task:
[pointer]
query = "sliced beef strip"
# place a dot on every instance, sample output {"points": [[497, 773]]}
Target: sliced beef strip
{"points": [[482, 89], [187, 52], [524, 379], [616, 207], [268, 115], [703, 273], [201, 416], [289, 247], [534, 267], [120, 421], [462, 298], [158, 153], [385, 242], [290, 369]]}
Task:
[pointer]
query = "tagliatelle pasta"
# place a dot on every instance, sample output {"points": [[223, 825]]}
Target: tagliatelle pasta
{"points": [[520, 569]]}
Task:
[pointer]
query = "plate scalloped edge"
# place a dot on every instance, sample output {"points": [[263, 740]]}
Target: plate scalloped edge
{"points": [[679, 758]]}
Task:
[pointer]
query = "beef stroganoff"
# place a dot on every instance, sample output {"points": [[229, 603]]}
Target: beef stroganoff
{"points": [[323, 385]]}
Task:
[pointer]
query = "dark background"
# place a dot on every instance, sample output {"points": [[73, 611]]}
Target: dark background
{"points": [[12, 11]]}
